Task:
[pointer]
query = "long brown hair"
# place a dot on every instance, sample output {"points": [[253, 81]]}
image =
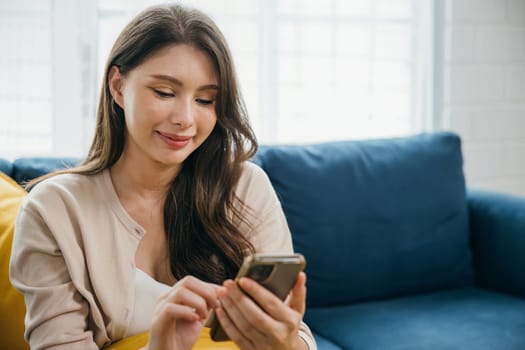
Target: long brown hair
{"points": [[201, 211]]}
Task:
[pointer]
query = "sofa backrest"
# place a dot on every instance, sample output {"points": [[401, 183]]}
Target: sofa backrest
{"points": [[26, 169], [6, 167], [375, 218]]}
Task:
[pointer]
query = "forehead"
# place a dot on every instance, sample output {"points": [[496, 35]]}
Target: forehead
{"points": [[182, 61]]}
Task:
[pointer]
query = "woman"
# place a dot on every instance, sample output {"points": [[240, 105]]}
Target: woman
{"points": [[147, 233]]}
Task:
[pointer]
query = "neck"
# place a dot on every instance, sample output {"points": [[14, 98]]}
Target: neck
{"points": [[148, 180]]}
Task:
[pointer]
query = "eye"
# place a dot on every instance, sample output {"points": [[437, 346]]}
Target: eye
{"points": [[204, 101], [163, 94]]}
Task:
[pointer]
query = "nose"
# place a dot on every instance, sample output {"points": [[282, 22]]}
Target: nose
{"points": [[182, 113]]}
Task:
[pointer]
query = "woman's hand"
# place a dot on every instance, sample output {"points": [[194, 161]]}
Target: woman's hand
{"points": [[180, 314], [265, 322]]}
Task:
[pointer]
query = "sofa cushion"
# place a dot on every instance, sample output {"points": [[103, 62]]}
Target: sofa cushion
{"points": [[6, 167], [376, 218], [467, 318], [26, 169], [325, 344], [12, 308]]}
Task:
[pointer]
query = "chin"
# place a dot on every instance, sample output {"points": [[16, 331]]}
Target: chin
{"points": [[169, 160], [174, 162]]}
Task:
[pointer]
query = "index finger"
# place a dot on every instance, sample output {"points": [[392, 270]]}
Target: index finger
{"points": [[206, 290]]}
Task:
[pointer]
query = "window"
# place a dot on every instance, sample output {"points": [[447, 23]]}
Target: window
{"points": [[47, 77], [309, 70], [25, 77]]}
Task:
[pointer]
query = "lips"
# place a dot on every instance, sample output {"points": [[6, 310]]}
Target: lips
{"points": [[174, 140], [174, 137]]}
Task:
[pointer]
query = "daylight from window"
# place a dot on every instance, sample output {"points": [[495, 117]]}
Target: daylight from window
{"points": [[310, 71]]}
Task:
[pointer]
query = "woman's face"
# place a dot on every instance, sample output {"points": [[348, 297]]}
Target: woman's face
{"points": [[169, 104]]}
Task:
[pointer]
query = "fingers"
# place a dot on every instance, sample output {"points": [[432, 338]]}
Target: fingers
{"points": [[206, 290], [248, 317], [180, 314], [251, 314], [167, 314], [233, 332], [262, 296], [176, 311], [194, 293], [270, 303], [297, 297]]}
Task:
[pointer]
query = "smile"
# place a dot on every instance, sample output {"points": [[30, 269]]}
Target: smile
{"points": [[174, 141]]}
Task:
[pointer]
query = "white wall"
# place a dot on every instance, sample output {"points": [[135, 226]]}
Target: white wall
{"points": [[484, 89]]}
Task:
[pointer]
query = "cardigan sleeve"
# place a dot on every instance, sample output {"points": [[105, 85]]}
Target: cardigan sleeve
{"points": [[56, 313], [267, 229]]}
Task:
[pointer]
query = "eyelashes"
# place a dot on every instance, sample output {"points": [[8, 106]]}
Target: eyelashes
{"points": [[204, 102], [164, 94]]}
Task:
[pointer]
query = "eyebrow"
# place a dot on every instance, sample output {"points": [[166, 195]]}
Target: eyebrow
{"points": [[177, 82]]}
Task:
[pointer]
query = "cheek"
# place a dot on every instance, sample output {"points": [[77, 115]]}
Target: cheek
{"points": [[146, 112], [156, 111], [211, 120]]}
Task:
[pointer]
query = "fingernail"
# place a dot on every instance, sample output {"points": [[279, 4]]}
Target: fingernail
{"points": [[229, 284], [245, 283]]}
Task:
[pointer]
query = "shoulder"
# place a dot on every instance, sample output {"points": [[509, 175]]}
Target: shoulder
{"points": [[64, 183], [62, 188], [267, 227], [255, 189], [253, 179], [63, 206]]}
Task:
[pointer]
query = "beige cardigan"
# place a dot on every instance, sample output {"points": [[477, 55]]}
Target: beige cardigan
{"points": [[73, 256]]}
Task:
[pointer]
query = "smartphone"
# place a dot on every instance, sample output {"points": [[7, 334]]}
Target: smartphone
{"points": [[277, 273]]}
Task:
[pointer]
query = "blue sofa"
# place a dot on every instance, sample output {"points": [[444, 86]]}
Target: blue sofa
{"points": [[399, 254]]}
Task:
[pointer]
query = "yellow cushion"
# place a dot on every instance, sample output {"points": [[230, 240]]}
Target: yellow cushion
{"points": [[129, 343], [204, 342], [12, 307]]}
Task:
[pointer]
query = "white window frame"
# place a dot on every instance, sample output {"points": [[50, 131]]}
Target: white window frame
{"points": [[75, 84]]}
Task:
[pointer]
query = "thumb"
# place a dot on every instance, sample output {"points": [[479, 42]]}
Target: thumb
{"points": [[297, 297]]}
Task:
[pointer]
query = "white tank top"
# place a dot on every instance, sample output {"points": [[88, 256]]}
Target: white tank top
{"points": [[147, 292]]}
